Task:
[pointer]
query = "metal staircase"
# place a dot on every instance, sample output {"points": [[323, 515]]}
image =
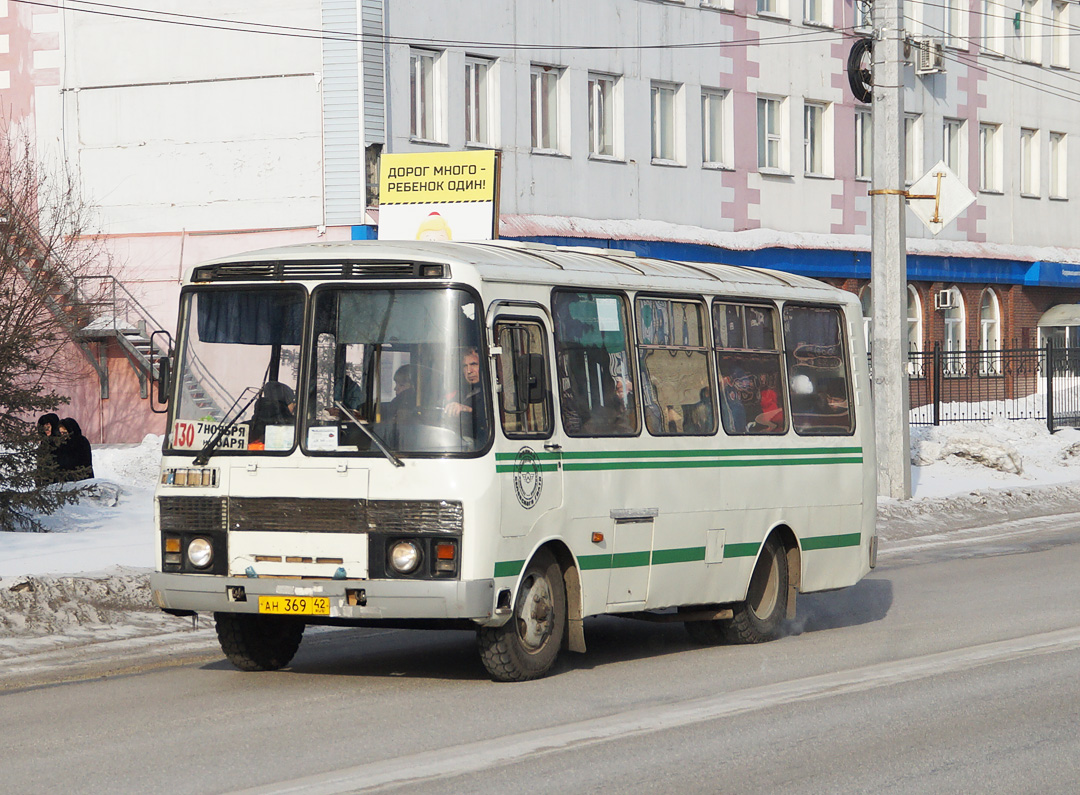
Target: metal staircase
{"points": [[91, 310]]}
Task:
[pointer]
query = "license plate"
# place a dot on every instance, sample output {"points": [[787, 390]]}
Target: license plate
{"points": [[295, 605]]}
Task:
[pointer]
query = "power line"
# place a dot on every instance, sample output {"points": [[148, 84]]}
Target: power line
{"points": [[289, 31], [972, 60]]}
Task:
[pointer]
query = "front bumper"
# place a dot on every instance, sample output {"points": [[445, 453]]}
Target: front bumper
{"points": [[383, 599]]}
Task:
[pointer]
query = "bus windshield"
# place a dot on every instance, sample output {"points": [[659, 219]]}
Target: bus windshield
{"points": [[406, 363], [238, 369]]}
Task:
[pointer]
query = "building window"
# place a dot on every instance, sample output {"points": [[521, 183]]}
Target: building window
{"points": [[1058, 167], [990, 157], [663, 122], [777, 8], [602, 115], [814, 138], [544, 91], [816, 12], [1030, 45], [1059, 38], [715, 121], [953, 146], [989, 334], [862, 15], [914, 321], [771, 154], [425, 107], [478, 92], [864, 144], [955, 330], [993, 27], [954, 23], [912, 147], [1029, 162]]}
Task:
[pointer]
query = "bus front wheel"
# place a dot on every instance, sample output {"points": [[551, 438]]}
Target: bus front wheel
{"points": [[258, 643], [525, 647]]}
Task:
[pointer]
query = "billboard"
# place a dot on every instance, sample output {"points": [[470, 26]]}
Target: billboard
{"points": [[439, 195]]}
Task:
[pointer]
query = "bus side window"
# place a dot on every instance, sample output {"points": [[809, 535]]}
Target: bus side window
{"points": [[525, 405], [818, 376], [596, 389], [749, 368], [673, 361]]}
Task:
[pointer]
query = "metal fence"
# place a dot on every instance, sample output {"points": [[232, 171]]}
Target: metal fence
{"points": [[980, 385]]}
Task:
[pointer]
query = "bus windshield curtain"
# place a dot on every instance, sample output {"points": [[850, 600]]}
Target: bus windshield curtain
{"points": [[251, 318]]}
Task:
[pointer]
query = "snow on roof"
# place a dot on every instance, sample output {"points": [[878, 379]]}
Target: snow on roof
{"points": [[753, 239]]}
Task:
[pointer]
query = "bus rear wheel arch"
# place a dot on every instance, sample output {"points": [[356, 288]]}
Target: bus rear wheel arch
{"points": [[770, 599], [526, 646]]}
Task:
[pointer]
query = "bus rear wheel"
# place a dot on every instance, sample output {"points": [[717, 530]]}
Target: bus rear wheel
{"points": [[258, 643], [525, 647], [761, 617]]}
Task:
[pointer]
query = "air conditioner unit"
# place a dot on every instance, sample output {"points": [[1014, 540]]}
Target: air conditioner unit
{"points": [[943, 299], [929, 57]]}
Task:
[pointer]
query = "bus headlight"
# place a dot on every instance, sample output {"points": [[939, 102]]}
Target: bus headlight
{"points": [[200, 553], [404, 557]]}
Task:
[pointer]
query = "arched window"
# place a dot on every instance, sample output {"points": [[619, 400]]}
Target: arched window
{"points": [[914, 320], [989, 334], [866, 298], [955, 331]]}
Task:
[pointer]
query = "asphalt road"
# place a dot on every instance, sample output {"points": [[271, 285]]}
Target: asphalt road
{"points": [[953, 667]]}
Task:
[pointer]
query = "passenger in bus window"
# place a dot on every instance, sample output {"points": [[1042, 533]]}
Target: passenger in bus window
{"points": [[771, 418], [733, 412], [698, 417], [404, 403]]}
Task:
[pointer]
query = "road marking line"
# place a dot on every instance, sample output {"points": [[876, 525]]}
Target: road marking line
{"points": [[476, 756]]}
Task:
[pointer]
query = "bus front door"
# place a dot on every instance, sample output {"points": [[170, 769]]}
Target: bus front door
{"points": [[528, 451]]}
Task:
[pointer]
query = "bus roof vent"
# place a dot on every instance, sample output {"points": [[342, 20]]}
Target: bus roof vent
{"points": [[315, 269]]}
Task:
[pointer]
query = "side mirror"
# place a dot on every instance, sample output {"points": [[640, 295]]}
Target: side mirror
{"points": [[164, 368], [164, 379]]}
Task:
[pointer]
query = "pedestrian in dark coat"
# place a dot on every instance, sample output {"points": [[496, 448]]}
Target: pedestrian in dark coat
{"points": [[74, 457], [48, 428]]}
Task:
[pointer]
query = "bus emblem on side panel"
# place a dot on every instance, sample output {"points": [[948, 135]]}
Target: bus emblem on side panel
{"points": [[528, 480]]}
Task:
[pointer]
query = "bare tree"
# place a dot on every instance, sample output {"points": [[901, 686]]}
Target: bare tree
{"points": [[48, 247]]}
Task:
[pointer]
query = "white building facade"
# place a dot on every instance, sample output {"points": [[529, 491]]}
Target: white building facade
{"points": [[722, 130]]}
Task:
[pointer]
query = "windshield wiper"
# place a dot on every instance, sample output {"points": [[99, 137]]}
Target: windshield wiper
{"points": [[386, 451], [203, 458]]}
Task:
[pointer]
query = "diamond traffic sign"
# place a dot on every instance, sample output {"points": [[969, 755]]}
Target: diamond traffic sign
{"points": [[938, 197]]}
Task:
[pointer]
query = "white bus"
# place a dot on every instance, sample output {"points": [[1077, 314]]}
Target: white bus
{"points": [[508, 437]]}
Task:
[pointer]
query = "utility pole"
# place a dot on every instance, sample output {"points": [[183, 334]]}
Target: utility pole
{"points": [[888, 275]]}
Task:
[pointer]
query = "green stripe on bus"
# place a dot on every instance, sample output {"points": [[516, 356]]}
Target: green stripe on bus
{"points": [[513, 467], [769, 462], [508, 568], [748, 550], [685, 555], [590, 562], [629, 560], [832, 542], [587, 454], [540, 456]]}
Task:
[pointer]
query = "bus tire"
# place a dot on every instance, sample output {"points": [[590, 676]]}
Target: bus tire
{"points": [[761, 617], [525, 647], [258, 643]]}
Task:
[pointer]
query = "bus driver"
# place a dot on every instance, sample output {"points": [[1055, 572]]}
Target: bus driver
{"points": [[470, 401]]}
